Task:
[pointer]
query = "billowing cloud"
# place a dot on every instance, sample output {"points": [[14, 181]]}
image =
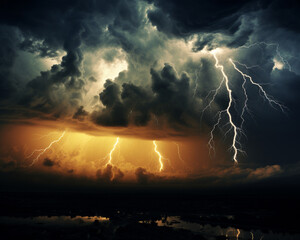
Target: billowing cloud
{"points": [[80, 114], [109, 174], [265, 172], [143, 177], [170, 97]]}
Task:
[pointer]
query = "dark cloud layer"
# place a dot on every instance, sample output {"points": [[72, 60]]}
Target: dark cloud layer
{"points": [[8, 55], [182, 18]]}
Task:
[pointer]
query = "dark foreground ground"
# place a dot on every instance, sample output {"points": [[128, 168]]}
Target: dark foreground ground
{"points": [[133, 214]]}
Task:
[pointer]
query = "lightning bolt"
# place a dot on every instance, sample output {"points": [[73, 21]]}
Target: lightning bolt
{"points": [[238, 233], [109, 156], [215, 93], [40, 137], [178, 152], [273, 103], [236, 130], [160, 157], [180, 157], [235, 145], [36, 150], [43, 150]]}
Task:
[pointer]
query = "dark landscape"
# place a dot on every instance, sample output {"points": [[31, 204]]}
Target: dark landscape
{"points": [[150, 214]]}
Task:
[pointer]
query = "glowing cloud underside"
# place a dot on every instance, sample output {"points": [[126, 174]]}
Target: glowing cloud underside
{"points": [[159, 156]]}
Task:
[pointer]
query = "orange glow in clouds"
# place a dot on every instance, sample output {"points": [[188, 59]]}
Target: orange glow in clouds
{"points": [[43, 150], [80, 154]]}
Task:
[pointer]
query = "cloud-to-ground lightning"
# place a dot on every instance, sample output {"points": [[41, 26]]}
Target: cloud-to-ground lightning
{"points": [[234, 128], [43, 150], [235, 145], [109, 155], [178, 152], [160, 157]]}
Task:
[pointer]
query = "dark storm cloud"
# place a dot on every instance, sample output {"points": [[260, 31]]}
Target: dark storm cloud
{"points": [[223, 23], [277, 133], [240, 37], [80, 114], [109, 174], [182, 18], [48, 162], [170, 98], [8, 165], [54, 23], [172, 95], [215, 177], [283, 14], [8, 38], [147, 90], [36, 180], [48, 27], [271, 135], [36, 46], [114, 113], [144, 177]]}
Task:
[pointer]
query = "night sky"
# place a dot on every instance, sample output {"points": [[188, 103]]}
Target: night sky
{"points": [[149, 93]]}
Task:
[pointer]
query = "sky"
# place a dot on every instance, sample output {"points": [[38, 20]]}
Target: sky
{"points": [[149, 92]]}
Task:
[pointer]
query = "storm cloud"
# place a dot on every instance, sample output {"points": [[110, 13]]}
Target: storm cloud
{"points": [[170, 97], [148, 64]]}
